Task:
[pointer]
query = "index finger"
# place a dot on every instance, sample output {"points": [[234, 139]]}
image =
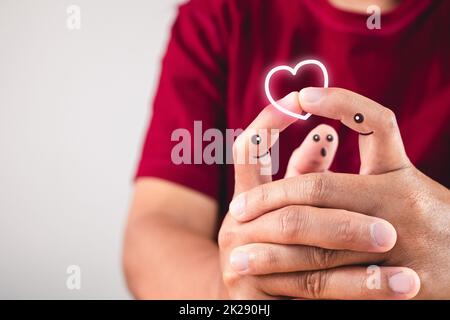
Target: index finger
{"points": [[251, 150]]}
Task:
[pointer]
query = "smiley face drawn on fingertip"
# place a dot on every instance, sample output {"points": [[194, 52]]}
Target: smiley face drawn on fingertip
{"points": [[256, 139], [359, 118], [323, 150]]}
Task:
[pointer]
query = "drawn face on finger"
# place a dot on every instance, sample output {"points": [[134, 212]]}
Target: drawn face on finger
{"points": [[263, 151], [359, 119], [324, 141], [260, 145]]}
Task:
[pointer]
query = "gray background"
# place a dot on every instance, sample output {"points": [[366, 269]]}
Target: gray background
{"points": [[74, 106]]}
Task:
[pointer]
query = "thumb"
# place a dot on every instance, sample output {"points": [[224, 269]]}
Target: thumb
{"points": [[251, 150], [380, 143], [316, 153]]}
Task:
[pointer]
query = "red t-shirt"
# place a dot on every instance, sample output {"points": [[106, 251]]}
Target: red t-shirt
{"points": [[221, 50]]}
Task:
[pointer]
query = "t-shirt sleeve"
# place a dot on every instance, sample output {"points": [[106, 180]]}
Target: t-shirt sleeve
{"points": [[191, 89]]}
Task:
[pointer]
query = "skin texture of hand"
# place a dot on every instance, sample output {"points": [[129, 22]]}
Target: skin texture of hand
{"points": [[389, 187], [163, 234], [272, 248]]}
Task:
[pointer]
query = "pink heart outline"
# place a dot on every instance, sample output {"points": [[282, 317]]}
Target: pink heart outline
{"points": [[294, 71]]}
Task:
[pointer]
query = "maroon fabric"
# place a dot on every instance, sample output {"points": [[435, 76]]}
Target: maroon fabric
{"points": [[221, 50]]}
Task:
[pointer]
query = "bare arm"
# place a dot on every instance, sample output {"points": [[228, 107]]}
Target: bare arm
{"points": [[169, 250]]}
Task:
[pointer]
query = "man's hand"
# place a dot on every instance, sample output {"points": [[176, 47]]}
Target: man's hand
{"points": [[389, 187], [270, 244]]}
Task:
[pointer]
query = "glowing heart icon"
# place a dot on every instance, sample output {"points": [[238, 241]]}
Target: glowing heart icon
{"points": [[294, 71]]}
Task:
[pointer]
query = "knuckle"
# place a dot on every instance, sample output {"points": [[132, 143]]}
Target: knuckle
{"points": [[336, 94], [290, 222], [312, 284], [230, 278], [346, 231], [418, 204], [270, 258], [321, 258], [264, 193], [258, 199], [416, 201], [226, 237], [389, 118], [316, 187]]}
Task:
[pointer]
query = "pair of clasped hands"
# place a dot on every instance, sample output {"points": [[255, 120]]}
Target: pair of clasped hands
{"points": [[316, 234]]}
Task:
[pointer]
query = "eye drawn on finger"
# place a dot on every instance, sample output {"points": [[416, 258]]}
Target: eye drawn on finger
{"points": [[256, 139], [330, 138], [315, 153], [316, 137], [359, 118], [323, 151]]}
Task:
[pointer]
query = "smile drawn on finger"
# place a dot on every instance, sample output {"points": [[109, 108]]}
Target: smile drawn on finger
{"points": [[256, 140], [359, 118], [261, 156]]}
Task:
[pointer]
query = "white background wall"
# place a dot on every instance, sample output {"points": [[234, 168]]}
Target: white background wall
{"points": [[74, 106]]}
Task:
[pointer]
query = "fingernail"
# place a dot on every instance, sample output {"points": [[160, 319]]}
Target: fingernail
{"points": [[239, 261], [402, 282], [311, 95], [383, 234], [237, 206]]}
